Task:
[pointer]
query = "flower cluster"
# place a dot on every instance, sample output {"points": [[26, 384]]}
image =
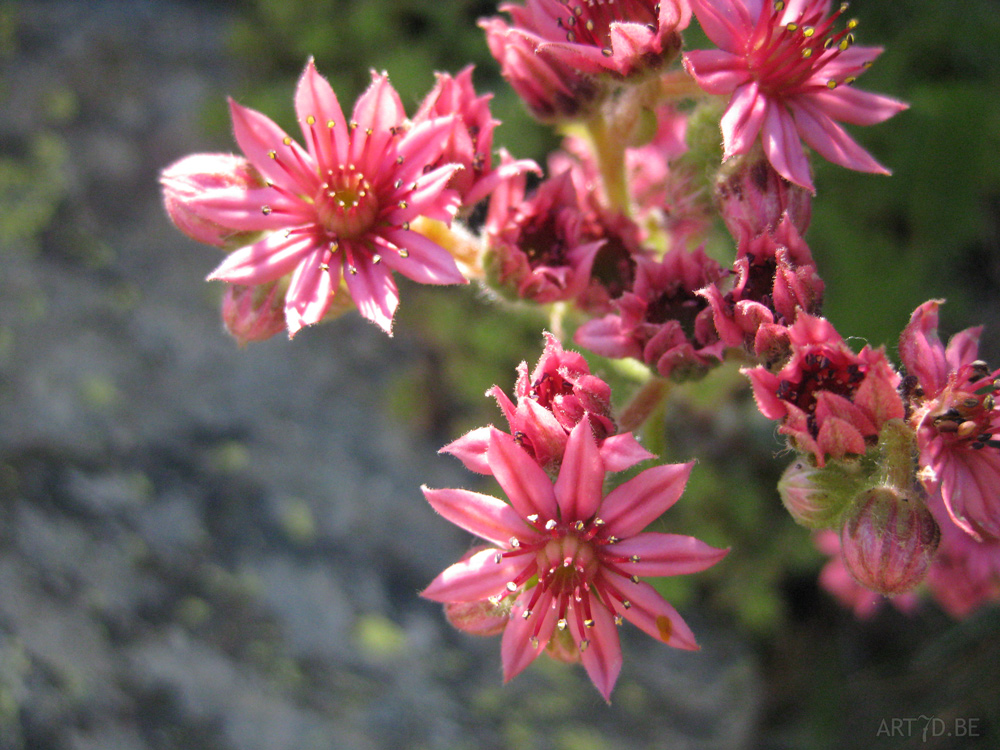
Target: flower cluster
{"points": [[564, 560], [896, 468]]}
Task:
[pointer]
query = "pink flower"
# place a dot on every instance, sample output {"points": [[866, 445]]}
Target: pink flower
{"points": [[774, 278], [558, 394], [662, 321], [552, 91], [470, 142], [569, 558], [829, 400], [622, 37], [253, 313], [966, 573], [538, 247], [789, 74], [340, 208], [955, 411]]}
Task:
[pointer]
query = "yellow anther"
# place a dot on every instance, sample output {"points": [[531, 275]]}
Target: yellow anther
{"points": [[310, 120], [808, 31]]}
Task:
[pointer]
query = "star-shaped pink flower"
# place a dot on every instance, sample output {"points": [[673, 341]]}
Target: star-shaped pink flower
{"points": [[788, 72], [341, 207], [568, 558]]}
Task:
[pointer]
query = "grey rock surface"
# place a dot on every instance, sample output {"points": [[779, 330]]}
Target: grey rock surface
{"points": [[208, 547]]}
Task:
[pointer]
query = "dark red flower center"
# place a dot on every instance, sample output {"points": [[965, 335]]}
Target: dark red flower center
{"points": [[965, 411]]}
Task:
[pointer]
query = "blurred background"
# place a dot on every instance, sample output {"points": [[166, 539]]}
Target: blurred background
{"points": [[204, 547]]}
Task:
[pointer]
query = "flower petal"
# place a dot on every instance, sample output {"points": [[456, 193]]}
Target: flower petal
{"points": [[374, 292], [524, 638], [487, 517], [309, 292], [743, 118], [650, 612], [377, 114], [269, 259], [579, 488], [830, 140], [632, 506], [275, 155], [471, 450], [321, 118], [666, 554], [477, 577], [526, 484], [783, 148], [425, 261], [600, 649]]}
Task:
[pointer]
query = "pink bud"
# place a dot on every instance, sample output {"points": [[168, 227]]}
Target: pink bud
{"points": [[253, 313], [193, 176], [752, 196], [477, 618], [889, 540]]}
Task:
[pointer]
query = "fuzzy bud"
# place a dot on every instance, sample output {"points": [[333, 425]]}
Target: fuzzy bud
{"points": [[810, 494], [889, 540], [253, 313], [753, 197], [477, 618], [192, 177]]}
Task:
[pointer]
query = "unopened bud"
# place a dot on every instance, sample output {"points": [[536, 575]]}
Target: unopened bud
{"points": [[888, 540], [193, 176], [484, 618], [253, 313], [809, 497], [753, 197]]}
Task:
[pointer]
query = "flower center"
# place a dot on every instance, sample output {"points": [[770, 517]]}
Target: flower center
{"points": [[783, 56], [589, 21], [822, 369], [565, 564], [346, 205], [965, 412]]}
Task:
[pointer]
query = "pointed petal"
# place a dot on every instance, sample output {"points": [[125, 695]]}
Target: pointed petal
{"points": [[471, 450], [526, 484], [374, 292], [579, 488], [255, 210], [321, 118], [632, 506], [487, 517], [666, 554], [259, 138], [715, 71], [830, 140], [264, 261], [425, 261], [517, 650], [623, 451], [602, 654], [309, 292], [783, 147], [743, 118], [726, 24], [377, 113], [848, 104], [921, 350], [473, 579], [651, 613]]}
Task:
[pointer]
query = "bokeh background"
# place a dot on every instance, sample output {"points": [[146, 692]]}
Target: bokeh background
{"points": [[208, 547]]}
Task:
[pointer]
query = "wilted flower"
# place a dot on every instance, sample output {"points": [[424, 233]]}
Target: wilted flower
{"points": [[569, 557], [621, 37], [340, 208], [753, 198], [789, 74], [538, 247], [954, 409], [774, 278]]}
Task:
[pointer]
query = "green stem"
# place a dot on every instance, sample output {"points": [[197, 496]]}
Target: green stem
{"points": [[642, 404], [609, 148]]}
